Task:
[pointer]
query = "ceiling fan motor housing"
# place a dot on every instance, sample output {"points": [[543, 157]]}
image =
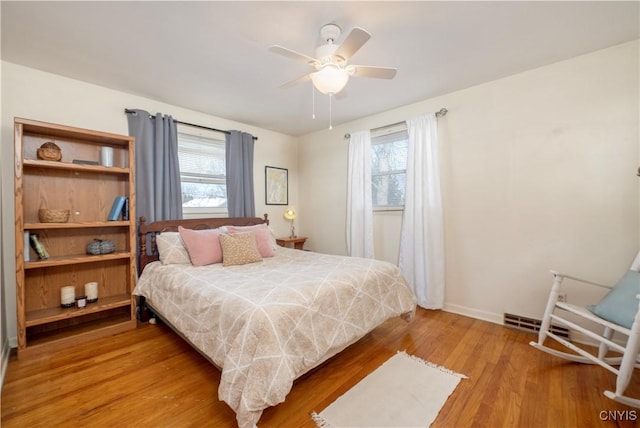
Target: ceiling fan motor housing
{"points": [[325, 53], [330, 32]]}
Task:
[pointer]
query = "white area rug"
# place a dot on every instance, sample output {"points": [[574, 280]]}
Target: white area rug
{"points": [[405, 391]]}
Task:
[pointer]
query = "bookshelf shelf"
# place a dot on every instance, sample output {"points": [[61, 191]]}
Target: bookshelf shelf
{"points": [[84, 225], [77, 259]]}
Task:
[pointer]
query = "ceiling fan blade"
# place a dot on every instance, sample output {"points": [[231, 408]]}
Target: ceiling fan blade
{"points": [[354, 41], [293, 54], [375, 72], [296, 81]]}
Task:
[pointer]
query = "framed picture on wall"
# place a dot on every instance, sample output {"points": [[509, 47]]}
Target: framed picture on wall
{"points": [[276, 185]]}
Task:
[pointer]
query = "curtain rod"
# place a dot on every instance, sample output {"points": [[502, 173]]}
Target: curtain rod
{"points": [[128, 111], [442, 112]]}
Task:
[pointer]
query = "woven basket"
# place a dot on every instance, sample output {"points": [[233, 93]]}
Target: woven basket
{"points": [[49, 151], [99, 246], [53, 216]]}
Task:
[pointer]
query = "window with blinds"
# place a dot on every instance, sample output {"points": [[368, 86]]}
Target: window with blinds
{"points": [[202, 175], [389, 148]]}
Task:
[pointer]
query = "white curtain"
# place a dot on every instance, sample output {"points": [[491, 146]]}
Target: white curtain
{"points": [[359, 206], [422, 238]]}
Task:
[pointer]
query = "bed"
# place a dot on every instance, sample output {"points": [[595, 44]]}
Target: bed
{"points": [[267, 322]]}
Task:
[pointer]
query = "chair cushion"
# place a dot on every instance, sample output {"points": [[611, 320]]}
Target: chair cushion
{"points": [[620, 305], [636, 263]]}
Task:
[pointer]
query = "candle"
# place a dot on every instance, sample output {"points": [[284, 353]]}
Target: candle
{"points": [[91, 291], [106, 156], [67, 296]]}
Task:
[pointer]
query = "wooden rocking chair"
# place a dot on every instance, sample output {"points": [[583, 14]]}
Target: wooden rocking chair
{"points": [[618, 312]]}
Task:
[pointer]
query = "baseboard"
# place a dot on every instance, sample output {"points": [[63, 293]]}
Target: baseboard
{"points": [[474, 313], [5, 354]]}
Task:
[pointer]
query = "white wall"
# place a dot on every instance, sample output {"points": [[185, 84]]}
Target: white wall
{"points": [[538, 172], [34, 94]]}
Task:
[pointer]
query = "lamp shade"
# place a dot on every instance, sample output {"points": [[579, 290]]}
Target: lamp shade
{"points": [[290, 214], [331, 79]]}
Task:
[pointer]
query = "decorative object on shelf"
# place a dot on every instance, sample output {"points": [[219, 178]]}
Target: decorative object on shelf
{"points": [[81, 302], [49, 151], [91, 290], [106, 156], [100, 246], [116, 208], [290, 214], [38, 247], [67, 296], [85, 162], [46, 215], [276, 185], [25, 247]]}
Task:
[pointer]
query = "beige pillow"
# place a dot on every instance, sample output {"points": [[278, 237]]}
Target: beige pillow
{"points": [[171, 249], [239, 249]]}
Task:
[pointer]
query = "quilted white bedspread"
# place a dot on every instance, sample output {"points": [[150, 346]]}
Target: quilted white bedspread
{"points": [[266, 323]]}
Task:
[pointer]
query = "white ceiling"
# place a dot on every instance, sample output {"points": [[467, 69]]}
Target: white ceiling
{"points": [[212, 56]]}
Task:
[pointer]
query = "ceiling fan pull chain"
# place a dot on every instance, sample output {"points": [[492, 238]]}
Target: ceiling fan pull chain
{"points": [[330, 115], [313, 101]]}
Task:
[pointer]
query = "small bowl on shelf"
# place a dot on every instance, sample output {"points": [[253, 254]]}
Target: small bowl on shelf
{"points": [[46, 215]]}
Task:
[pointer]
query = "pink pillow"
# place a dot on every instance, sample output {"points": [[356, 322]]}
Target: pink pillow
{"points": [[263, 237], [203, 246]]}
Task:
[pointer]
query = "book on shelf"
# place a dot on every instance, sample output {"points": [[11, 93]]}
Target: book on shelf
{"points": [[116, 208], [125, 210], [38, 247]]}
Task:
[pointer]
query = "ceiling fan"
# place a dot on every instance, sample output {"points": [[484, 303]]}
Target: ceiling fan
{"points": [[330, 62]]}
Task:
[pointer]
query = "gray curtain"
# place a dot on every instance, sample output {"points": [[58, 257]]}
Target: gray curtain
{"points": [[158, 191], [239, 157]]}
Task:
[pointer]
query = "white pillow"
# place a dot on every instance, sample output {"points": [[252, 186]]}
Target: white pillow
{"points": [[171, 249]]}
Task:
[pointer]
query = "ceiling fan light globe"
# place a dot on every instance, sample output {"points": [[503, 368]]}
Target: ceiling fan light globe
{"points": [[331, 79]]}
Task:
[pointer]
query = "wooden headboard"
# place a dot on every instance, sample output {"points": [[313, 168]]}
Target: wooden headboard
{"points": [[148, 255]]}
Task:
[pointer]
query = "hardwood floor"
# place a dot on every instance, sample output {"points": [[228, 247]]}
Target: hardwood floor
{"points": [[150, 377]]}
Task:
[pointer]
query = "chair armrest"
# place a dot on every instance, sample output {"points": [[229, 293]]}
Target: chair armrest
{"points": [[562, 275]]}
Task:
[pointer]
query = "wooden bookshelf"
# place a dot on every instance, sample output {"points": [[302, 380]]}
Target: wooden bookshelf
{"points": [[88, 192]]}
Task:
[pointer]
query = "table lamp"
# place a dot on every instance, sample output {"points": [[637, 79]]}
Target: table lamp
{"points": [[290, 214]]}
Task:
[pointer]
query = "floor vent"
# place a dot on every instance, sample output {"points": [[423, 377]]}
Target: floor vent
{"points": [[531, 325]]}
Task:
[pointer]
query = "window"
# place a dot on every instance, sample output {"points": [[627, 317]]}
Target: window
{"points": [[389, 148], [202, 175]]}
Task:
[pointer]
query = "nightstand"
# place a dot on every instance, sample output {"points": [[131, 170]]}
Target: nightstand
{"points": [[297, 242]]}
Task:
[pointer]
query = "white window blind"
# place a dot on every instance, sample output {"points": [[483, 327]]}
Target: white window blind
{"points": [[202, 175]]}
